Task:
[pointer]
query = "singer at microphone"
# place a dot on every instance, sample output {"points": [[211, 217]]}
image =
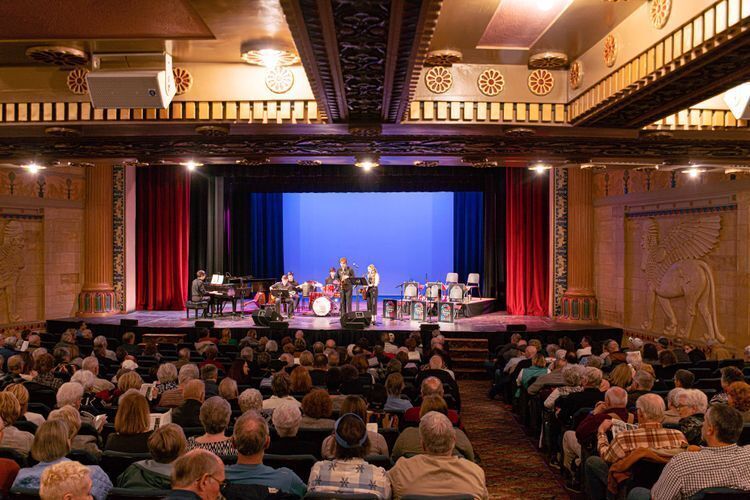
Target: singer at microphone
{"points": [[343, 274]]}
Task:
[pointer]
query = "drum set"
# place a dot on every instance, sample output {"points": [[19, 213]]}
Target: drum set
{"points": [[324, 299]]}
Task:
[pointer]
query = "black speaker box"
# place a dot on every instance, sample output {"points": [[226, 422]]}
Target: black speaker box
{"points": [[128, 322], [204, 323], [428, 327], [356, 320], [279, 325], [263, 317], [515, 327]]}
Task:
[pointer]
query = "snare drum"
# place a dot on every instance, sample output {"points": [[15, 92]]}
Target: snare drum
{"points": [[329, 290], [322, 306]]}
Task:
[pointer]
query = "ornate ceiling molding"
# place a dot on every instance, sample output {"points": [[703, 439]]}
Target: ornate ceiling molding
{"points": [[362, 58], [423, 141]]}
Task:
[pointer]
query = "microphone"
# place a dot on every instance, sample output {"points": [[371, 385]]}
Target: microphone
{"points": [[354, 264]]}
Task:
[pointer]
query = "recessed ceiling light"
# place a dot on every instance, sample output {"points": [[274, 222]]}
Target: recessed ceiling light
{"points": [[263, 53], [540, 167], [191, 165], [33, 168], [367, 161]]}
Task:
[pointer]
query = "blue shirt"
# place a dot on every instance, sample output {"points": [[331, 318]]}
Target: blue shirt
{"points": [[30, 477], [282, 479], [396, 404]]}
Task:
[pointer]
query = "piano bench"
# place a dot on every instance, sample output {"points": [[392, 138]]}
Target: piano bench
{"points": [[196, 306]]}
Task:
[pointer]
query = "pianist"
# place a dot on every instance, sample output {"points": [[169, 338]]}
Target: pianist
{"points": [[198, 291]]}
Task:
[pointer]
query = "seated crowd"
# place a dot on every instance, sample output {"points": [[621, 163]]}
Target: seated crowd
{"points": [[653, 420], [231, 418]]}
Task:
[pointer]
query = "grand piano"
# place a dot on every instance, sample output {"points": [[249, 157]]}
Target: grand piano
{"points": [[233, 289]]}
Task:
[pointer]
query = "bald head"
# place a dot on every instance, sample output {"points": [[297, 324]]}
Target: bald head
{"points": [[194, 389], [432, 386], [616, 397]]}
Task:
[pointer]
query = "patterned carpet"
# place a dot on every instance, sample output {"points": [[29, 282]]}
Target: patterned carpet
{"points": [[512, 465]]}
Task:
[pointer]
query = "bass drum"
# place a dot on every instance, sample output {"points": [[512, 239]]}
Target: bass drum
{"points": [[322, 306]]}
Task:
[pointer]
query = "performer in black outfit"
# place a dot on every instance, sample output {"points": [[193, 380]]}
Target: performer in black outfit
{"points": [[285, 285], [373, 281], [198, 291], [296, 296], [343, 274]]}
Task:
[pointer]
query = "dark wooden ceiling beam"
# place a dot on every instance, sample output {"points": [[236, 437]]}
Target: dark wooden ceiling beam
{"points": [[701, 77]]}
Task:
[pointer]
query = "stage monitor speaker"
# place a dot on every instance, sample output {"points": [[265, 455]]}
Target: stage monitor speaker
{"points": [[204, 323], [128, 322], [428, 327], [515, 327], [356, 320], [279, 325], [263, 317]]}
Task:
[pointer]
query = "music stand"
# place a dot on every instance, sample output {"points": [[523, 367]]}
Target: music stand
{"points": [[432, 293], [355, 282]]}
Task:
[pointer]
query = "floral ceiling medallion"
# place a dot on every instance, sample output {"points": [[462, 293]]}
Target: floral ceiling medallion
{"points": [[77, 81], [183, 80], [438, 79], [610, 50], [279, 80], [659, 12], [491, 82], [575, 75], [541, 82]]}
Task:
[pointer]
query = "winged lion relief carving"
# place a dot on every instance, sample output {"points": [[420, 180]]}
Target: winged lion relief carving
{"points": [[674, 270]]}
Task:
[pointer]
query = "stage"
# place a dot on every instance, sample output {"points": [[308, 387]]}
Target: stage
{"points": [[488, 325]]}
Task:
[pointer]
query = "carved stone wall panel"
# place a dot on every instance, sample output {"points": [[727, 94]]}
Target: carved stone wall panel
{"points": [[609, 273], [21, 265], [63, 185], [63, 261]]}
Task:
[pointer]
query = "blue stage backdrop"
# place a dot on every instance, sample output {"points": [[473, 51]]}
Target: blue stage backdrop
{"points": [[406, 235]]}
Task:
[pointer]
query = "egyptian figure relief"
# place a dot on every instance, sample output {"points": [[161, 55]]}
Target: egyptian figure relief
{"points": [[12, 245], [674, 269]]}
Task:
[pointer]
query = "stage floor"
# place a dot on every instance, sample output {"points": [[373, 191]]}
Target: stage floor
{"points": [[485, 323]]}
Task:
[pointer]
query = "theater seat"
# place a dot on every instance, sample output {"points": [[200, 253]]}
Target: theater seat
{"points": [[122, 493], [719, 493], [299, 464], [114, 463], [458, 496], [320, 495], [24, 494]]}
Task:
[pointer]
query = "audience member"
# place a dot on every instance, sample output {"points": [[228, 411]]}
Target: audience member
{"points": [[22, 395], [188, 413], [587, 398], [376, 442], [66, 481], [132, 423], [430, 386], [251, 438], [729, 375], [738, 397], [10, 411], [437, 471], [394, 386], [649, 434], [166, 444], [51, 444], [286, 421], [691, 405], [251, 399], [81, 442], [572, 376], [210, 377], [684, 379], [214, 416], [166, 376], [348, 472], [317, 409], [281, 392], [643, 382], [173, 397], [198, 474]]}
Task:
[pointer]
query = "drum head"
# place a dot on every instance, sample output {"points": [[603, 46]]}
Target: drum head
{"points": [[322, 306]]}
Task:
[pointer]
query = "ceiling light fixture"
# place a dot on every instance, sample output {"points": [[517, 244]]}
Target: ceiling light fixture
{"points": [[367, 161], [263, 53], [33, 168], [545, 5], [693, 172], [191, 165], [540, 168]]}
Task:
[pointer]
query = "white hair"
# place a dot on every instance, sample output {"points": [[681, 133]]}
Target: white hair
{"points": [[90, 363], [286, 419], [250, 399], [85, 378], [188, 372], [652, 407], [100, 341], [70, 393], [593, 376], [617, 397], [437, 433], [167, 372], [673, 396], [272, 346], [694, 399]]}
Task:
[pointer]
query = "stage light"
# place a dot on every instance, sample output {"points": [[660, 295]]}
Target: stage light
{"points": [[33, 168], [367, 161], [545, 5], [693, 172], [191, 165], [540, 168], [268, 53]]}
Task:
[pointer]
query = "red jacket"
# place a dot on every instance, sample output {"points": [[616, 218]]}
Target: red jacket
{"points": [[589, 425]]}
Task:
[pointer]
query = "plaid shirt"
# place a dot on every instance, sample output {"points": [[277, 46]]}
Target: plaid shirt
{"points": [[688, 473], [647, 435], [349, 476]]}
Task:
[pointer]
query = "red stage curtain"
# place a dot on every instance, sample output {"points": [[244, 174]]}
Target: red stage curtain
{"points": [[527, 242], [162, 237]]}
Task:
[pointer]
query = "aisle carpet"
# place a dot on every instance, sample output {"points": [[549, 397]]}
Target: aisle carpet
{"points": [[512, 465]]}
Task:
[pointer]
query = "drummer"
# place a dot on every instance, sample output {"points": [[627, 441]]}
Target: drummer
{"points": [[331, 278]]}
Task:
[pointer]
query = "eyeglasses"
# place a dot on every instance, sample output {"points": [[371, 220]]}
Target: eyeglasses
{"points": [[222, 484]]}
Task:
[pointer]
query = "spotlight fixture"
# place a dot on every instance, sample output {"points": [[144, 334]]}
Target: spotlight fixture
{"points": [[540, 167], [264, 53], [693, 172], [367, 161], [191, 165], [33, 168]]}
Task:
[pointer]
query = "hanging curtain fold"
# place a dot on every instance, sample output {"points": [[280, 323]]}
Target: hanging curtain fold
{"points": [[162, 237], [527, 233], [468, 234]]}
